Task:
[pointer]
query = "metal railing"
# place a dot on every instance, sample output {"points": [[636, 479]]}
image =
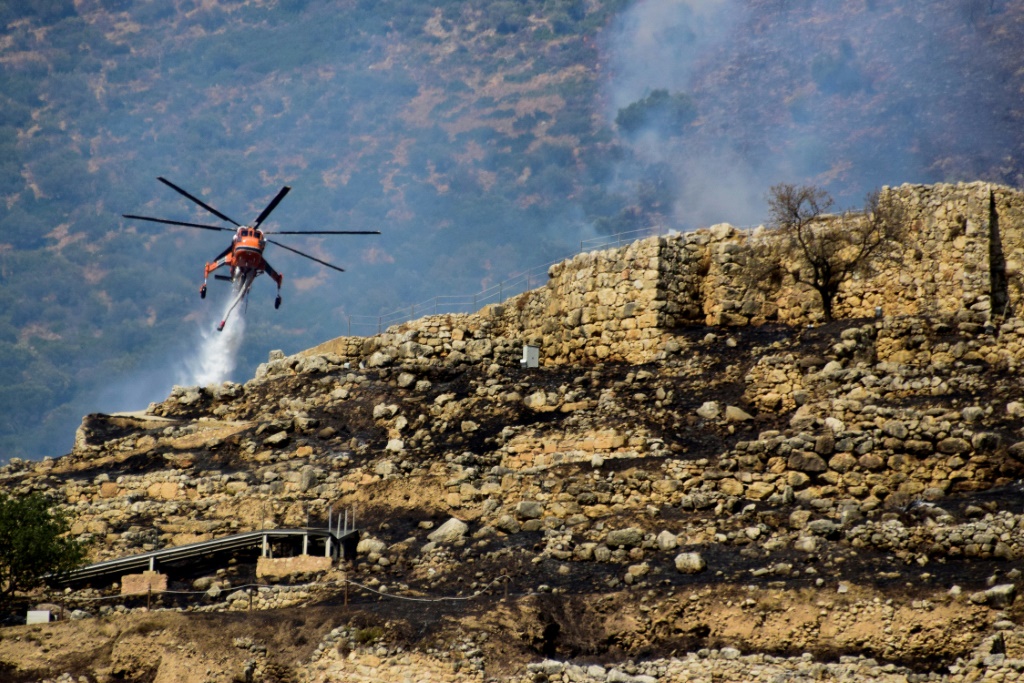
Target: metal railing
{"points": [[368, 325], [202, 549], [620, 238], [459, 303]]}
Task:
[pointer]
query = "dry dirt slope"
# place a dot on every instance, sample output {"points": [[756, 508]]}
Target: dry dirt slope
{"points": [[760, 503]]}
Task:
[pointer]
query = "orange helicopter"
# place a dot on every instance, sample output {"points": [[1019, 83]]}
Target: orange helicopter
{"points": [[244, 257]]}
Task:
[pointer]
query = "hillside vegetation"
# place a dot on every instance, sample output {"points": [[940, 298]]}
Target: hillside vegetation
{"points": [[481, 137]]}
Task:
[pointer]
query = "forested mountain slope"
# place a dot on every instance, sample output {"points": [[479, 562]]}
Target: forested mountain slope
{"points": [[481, 137]]}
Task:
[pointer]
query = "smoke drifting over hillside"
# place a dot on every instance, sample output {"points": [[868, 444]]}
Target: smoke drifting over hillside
{"points": [[209, 357], [850, 97], [482, 138]]}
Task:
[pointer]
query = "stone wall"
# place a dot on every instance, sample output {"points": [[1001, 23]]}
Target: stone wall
{"points": [[596, 306], [278, 568], [963, 259], [945, 268], [146, 582], [452, 337], [1008, 245]]}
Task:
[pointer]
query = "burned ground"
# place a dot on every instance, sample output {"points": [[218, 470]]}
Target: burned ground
{"points": [[864, 520]]}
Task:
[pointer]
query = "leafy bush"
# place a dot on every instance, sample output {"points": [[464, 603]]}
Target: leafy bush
{"points": [[659, 109], [33, 544], [368, 636]]}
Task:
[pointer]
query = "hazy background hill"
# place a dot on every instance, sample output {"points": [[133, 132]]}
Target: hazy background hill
{"points": [[482, 137]]}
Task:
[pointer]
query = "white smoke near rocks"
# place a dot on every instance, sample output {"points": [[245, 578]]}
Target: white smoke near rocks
{"points": [[845, 96], [665, 44], [211, 358], [661, 44]]}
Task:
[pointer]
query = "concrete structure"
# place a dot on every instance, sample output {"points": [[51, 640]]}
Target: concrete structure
{"points": [[335, 542], [141, 584], [277, 568]]}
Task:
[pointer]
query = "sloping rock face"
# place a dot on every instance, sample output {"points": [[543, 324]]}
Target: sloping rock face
{"points": [[742, 502]]}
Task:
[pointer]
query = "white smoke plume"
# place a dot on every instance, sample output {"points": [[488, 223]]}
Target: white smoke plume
{"points": [[662, 43], [210, 359], [665, 44], [846, 96]]}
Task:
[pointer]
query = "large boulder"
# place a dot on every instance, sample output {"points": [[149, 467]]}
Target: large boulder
{"points": [[370, 545], [709, 410], [806, 461], [449, 532], [690, 563], [629, 537], [529, 509]]}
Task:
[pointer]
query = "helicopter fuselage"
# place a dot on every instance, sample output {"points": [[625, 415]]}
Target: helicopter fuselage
{"points": [[247, 248], [244, 257]]}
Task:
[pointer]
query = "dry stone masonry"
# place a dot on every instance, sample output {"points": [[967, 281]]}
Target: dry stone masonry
{"points": [[963, 259], [699, 482]]}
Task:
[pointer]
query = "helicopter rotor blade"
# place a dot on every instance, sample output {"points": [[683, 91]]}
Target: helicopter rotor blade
{"points": [[200, 202], [271, 206], [322, 232], [169, 222], [311, 258]]}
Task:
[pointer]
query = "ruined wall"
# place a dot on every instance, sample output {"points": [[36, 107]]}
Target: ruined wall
{"points": [[450, 337], [963, 243], [1007, 247], [620, 304], [146, 582], [280, 568], [945, 267], [596, 306], [606, 305], [963, 258]]}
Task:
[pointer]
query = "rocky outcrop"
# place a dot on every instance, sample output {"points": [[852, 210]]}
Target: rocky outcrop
{"points": [[668, 498]]}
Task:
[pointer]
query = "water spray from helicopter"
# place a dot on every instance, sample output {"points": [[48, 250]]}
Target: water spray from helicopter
{"points": [[217, 351], [219, 346]]}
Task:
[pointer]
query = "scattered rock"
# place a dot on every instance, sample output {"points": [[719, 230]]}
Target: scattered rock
{"points": [[529, 509], [690, 563], [625, 538], [449, 532], [709, 410]]}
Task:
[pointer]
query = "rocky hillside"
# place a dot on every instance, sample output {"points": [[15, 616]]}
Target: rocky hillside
{"points": [[482, 137], [747, 502]]}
